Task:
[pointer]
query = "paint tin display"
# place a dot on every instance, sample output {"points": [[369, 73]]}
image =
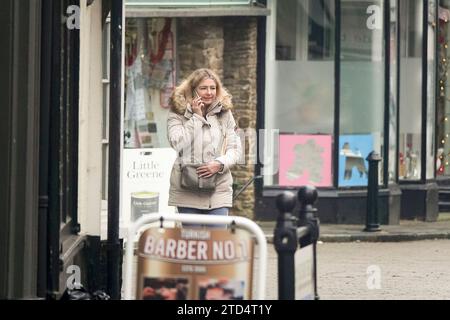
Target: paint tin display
{"points": [[144, 203]]}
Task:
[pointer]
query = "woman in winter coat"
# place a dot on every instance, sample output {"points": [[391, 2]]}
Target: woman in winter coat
{"points": [[201, 128]]}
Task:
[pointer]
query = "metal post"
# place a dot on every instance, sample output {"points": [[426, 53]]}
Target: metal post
{"points": [[372, 223], [285, 241], [308, 217], [114, 246], [237, 194], [44, 148]]}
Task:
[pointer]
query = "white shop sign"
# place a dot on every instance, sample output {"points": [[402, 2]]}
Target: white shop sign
{"points": [[145, 182]]}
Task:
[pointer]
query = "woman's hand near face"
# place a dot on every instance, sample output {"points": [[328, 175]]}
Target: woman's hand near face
{"points": [[197, 106], [209, 169]]}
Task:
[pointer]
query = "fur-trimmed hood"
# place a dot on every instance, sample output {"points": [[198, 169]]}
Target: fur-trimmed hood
{"points": [[180, 101]]}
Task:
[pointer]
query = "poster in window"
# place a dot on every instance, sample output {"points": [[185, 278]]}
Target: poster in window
{"points": [[305, 160], [353, 167], [194, 264]]}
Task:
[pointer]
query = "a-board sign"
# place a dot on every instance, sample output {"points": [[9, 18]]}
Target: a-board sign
{"points": [[304, 273], [194, 264]]}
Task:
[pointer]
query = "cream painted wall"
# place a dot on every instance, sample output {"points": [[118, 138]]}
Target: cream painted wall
{"points": [[90, 130]]}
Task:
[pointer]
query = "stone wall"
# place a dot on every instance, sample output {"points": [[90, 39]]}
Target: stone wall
{"points": [[200, 45], [227, 45], [240, 58]]}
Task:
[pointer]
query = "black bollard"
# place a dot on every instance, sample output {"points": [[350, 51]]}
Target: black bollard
{"points": [[372, 222], [308, 217], [285, 241], [307, 196]]}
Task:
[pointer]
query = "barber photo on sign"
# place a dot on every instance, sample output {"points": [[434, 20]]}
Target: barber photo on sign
{"points": [[201, 129]]}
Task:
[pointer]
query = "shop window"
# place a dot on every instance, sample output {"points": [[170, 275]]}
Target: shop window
{"points": [[150, 80], [431, 90], [68, 124], [393, 94], [185, 3], [410, 142], [443, 116], [362, 89], [300, 92]]}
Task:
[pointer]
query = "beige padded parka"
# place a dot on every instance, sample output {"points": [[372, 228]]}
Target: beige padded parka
{"points": [[205, 138]]}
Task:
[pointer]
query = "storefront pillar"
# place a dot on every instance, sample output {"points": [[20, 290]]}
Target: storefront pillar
{"points": [[420, 201]]}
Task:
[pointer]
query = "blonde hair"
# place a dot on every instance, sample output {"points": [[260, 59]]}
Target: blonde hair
{"points": [[193, 80], [183, 94]]}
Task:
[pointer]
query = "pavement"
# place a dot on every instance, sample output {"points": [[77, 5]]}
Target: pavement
{"points": [[407, 230]]}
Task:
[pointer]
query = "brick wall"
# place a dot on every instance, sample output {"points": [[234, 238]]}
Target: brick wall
{"points": [[228, 46]]}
